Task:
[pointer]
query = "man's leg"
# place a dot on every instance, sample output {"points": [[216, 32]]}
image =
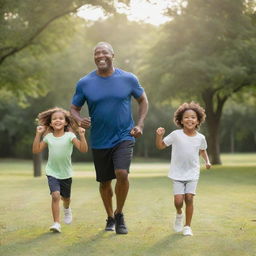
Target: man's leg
{"points": [[106, 193], [121, 189], [122, 159]]}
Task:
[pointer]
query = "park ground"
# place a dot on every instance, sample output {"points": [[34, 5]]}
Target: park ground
{"points": [[224, 221]]}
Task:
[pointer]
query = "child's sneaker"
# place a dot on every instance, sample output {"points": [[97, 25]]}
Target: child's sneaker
{"points": [[178, 224], [187, 231], [67, 215], [55, 227]]}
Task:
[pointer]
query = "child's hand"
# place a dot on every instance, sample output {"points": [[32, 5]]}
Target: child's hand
{"points": [[40, 129], [208, 165], [81, 131], [160, 131]]}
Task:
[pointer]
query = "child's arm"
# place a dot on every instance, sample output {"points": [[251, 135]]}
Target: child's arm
{"points": [[81, 144], [159, 138], [38, 145], [204, 154]]}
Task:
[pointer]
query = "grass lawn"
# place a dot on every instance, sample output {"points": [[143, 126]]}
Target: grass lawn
{"points": [[224, 221]]}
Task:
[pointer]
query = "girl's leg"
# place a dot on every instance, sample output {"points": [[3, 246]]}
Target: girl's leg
{"points": [[178, 203], [66, 202], [56, 206], [189, 208]]}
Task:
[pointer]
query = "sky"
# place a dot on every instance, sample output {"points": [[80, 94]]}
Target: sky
{"points": [[140, 10]]}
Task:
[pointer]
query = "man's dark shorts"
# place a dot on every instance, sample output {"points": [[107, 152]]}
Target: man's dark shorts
{"points": [[63, 186], [106, 161]]}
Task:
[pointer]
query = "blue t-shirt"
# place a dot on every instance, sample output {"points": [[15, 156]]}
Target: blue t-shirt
{"points": [[109, 104]]}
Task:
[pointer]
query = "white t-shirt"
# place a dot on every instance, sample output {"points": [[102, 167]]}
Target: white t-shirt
{"points": [[185, 163]]}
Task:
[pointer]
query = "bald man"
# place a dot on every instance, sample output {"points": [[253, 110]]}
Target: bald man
{"points": [[107, 92]]}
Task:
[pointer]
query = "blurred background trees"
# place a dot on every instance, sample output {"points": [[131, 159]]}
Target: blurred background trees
{"points": [[206, 53]]}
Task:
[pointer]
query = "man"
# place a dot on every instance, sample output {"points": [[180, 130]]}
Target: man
{"points": [[107, 92]]}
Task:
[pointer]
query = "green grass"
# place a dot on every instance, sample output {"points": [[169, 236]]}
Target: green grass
{"points": [[224, 221]]}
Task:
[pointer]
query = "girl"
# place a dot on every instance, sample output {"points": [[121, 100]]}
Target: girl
{"points": [[56, 124], [187, 145]]}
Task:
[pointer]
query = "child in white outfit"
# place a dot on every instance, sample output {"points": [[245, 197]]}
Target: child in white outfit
{"points": [[187, 146]]}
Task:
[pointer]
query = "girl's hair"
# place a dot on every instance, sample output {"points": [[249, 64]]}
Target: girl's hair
{"points": [[200, 112], [44, 118]]}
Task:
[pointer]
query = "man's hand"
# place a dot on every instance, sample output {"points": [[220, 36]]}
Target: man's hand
{"points": [[136, 132], [85, 122]]}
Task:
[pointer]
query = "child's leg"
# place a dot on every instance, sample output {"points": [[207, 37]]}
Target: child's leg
{"points": [[178, 203], [66, 202], [190, 191], [54, 187], [56, 206], [189, 208], [65, 191]]}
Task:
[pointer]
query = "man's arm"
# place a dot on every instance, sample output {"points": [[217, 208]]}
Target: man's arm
{"points": [[142, 113], [84, 122]]}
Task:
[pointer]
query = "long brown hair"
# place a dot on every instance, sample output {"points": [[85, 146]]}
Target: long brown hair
{"points": [[44, 118]]}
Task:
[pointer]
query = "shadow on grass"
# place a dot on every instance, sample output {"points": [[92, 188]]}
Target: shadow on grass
{"points": [[164, 245], [24, 246], [87, 245]]}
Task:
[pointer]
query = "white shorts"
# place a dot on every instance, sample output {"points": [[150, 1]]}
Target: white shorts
{"points": [[181, 187]]}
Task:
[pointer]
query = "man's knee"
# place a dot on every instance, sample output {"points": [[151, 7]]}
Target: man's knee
{"points": [[121, 175], [105, 185]]}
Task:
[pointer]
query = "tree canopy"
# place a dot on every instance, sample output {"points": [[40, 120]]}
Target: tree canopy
{"points": [[31, 30]]}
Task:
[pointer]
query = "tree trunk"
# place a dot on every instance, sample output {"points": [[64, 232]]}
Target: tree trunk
{"points": [[213, 140], [37, 161], [213, 107]]}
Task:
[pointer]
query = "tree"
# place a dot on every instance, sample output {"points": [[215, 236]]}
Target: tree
{"points": [[206, 53], [23, 44]]}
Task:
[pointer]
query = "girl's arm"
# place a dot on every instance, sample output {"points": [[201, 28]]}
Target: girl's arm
{"points": [[204, 154], [38, 145], [159, 138], [81, 144]]}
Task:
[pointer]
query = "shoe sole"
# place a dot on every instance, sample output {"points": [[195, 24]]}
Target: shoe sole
{"points": [[121, 232], [177, 230], [68, 222], [109, 229], [55, 230]]}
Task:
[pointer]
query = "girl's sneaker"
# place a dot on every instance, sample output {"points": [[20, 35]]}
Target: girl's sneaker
{"points": [[187, 231], [178, 224], [55, 227], [67, 215]]}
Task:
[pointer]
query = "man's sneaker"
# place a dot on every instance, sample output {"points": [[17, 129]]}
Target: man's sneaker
{"points": [[120, 224], [67, 215], [178, 224], [110, 226], [55, 227], [187, 231]]}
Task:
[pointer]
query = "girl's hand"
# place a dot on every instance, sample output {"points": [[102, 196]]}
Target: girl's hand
{"points": [[40, 129], [208, 165], [160, 131], [81, 131]]}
